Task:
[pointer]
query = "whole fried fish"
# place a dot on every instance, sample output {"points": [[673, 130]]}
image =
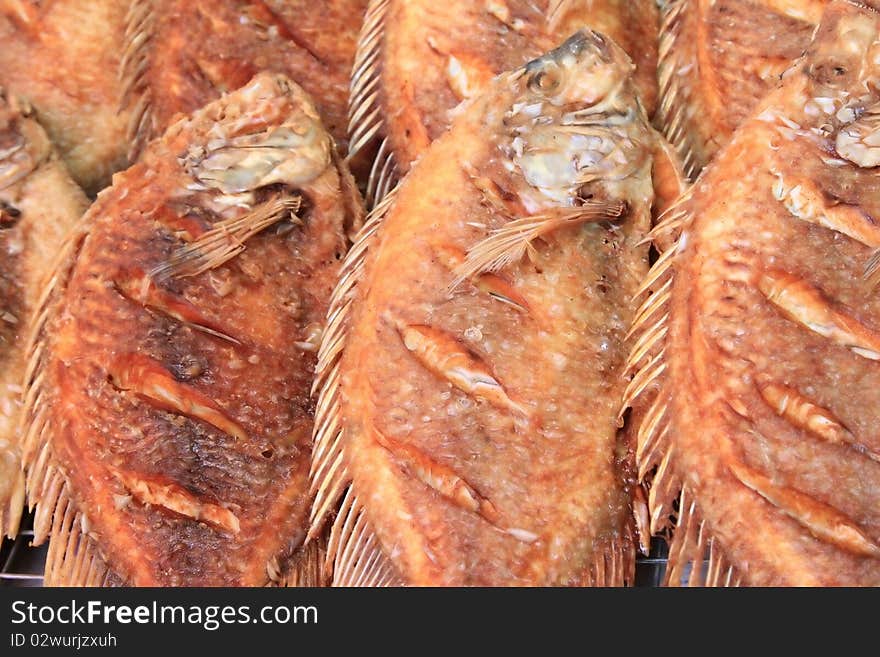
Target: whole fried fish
{"points": [[168, 406], [418, 59], [718, 58], [181, 54], [471, 370], [63, 57], [39, 204], [760, 340]]}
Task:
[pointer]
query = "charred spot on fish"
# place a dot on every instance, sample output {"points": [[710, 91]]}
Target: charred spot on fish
{"points": [[9, 215], [189, 367], [268, 454]]}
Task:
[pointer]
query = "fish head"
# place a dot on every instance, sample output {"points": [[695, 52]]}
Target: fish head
{"points": [[271, 135], [576, 123], [842, 82]]}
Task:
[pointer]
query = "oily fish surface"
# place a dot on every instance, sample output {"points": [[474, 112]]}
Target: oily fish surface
{"points": [[39, 203], [181, 54], [480, 425], [434, 55], [174, 383], [768, 403], [719, 58], [63, 57]]}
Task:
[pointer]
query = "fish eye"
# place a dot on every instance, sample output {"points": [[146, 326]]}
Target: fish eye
{"points": [[545, 81]]}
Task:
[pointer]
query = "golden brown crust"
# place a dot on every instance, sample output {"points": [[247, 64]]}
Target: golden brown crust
{"points": [[765, 411], [177, 406], [63, 57], [184, 54], [39, 203]]}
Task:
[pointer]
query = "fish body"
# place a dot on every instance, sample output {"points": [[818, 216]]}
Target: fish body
{"points": [[39, 204], [759, 336], [481, 333], [417, 60], [181, 54], [169, 420], [63, 58], [718, 59]]}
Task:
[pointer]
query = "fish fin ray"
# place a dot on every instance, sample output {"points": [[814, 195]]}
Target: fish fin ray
{"points": [[675, 96], [508, 244], [134, 68], [43, 482], [328, 474], [226, 240], [365, 116], [354, 554]]}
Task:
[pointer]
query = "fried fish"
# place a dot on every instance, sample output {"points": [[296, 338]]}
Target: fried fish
{"points": [[63, 57], [718, 58], [471, 370], [181, 54], [168, 411], [39, 204], [418, 59], [760, 336]]}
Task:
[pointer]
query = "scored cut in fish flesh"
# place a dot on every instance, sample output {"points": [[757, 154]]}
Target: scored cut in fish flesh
{"points": [[470, 375], [718, 58], [39, 204], [181, 54], [760, 336], [169, 419], [418, 59], [63, 57]]}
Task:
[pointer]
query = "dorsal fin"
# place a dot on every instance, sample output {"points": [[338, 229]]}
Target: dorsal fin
{"points": [[328, 474], [674, 92], [133, 69], [36, 429], [366, 120], [354, 553]]}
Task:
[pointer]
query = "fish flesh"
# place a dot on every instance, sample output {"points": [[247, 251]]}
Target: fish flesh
{"points": [[63, 57], [417, 60], [39, 204], [718, 58], [759, 336], [181, 54], [470, 375], [168, 413]]}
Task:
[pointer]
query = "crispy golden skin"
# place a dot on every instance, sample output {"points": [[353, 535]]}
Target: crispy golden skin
{"points": [[63, 57], [718, 59], [39, 203], [171, 413], [181, 54], [418, 59], [763, 335], [484, 342]]}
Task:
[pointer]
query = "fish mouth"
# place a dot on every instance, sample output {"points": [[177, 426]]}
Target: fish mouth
{"points": [[582, 43]]}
